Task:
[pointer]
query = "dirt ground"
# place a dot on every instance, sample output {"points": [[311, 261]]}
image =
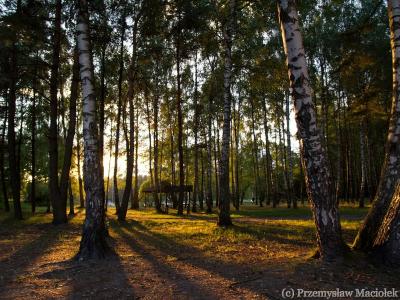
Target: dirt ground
{"points": [[166, 257]]}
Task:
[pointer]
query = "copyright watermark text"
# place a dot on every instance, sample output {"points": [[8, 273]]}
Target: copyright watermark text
{"points": [[383, 293]]}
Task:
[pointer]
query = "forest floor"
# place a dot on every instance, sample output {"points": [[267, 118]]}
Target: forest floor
{"points": [[170, 257]]}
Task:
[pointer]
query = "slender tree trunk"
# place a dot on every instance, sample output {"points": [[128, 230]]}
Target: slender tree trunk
{"points": [[109, 167], [71, 199], [136, 186], [78, 158], [209, 201], [269, 170], [216, 145], [14, 168], [2, 168], [131, 144], [180, 128], [69, 141], [363, 165], [93, 243], [390, 170], [237, 142], [291, 199], [58, 203], [224, 218], [116, 155], [102, 106], [196, 150], [319, 184], [155, 149], [33, 142], [255, 155]]}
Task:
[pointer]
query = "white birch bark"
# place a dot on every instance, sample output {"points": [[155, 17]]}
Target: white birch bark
{"points": [[390, 171], [93, 244], [387, 241], [318, 181]]}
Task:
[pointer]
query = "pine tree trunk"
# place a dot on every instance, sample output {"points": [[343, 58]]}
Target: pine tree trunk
{"points": [[69, 141], [33, 142], [78, 158], [58, 203], [363, 165], [291, 197], [390, 170], [93, 243], [71, 199], [316, 168], [196, 150], [224, 218], [180, 129], [119, 113], [209, 200], [2, 168], [131, 140], [269, 170], [136, 184], [14, 167], [156, 159]]}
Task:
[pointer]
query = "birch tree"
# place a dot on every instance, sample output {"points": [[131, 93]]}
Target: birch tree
{"points": [[390, 170], [318, 180], [93, 243], [224, 218]]}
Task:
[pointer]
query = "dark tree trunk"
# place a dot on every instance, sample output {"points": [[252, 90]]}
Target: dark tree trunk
{"points": [[269, 171], [71, 199], [69, 141], [78, 158], [131, 140], [319, 184], [14, 168], [209, 200], [120, 79], [180, 128], [58, 203], [196, 150], [2, 168], [136, 185]]}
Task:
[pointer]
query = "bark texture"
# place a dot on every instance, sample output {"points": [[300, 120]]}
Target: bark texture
{"points": [[318, 180], [390, 170], [93, 243], [224, 218], [59, 205]]}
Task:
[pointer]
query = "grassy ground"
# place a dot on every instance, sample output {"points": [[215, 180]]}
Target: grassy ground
{"points": [[170, 257]]}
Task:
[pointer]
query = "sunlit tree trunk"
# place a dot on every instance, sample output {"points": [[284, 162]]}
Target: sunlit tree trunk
{"points": [[390, 170], [318, 181], [224, 218], [93, 243]]}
